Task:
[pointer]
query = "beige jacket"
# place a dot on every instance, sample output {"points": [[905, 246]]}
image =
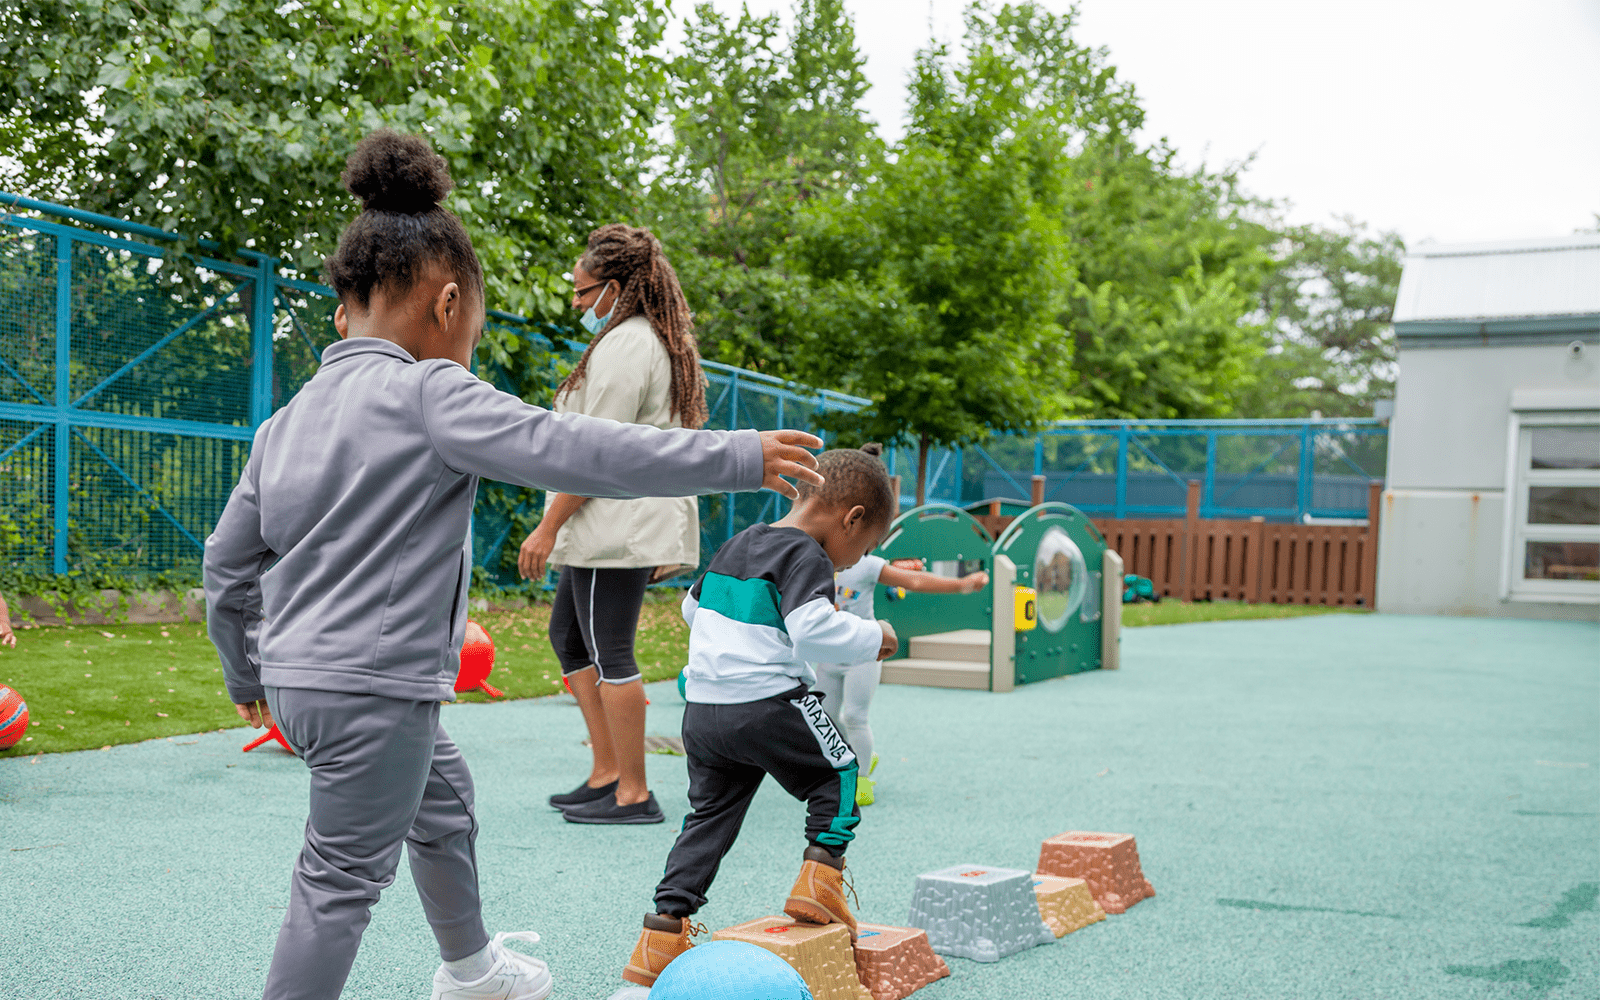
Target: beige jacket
{"points": [[629, 379]]}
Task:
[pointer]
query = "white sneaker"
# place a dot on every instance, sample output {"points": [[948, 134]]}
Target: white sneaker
{"points": [[513, 976]]}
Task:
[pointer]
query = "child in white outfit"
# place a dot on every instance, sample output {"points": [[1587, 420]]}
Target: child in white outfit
{"points": [[847, 688]]}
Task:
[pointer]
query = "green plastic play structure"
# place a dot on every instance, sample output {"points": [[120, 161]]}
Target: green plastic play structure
{"points": [[973, 640]]}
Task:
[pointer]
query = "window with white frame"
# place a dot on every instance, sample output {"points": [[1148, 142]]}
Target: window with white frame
{"points": [[1555, 508]]}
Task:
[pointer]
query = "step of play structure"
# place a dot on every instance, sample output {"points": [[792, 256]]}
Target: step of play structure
{"points": [[937, 673], [821, 953], [895, 962], [978, 912], [1108, 862], [969, 645], [1065, 904]]}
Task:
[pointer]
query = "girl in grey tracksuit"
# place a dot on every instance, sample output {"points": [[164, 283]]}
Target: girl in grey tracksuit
{"points": [[336, 578]]}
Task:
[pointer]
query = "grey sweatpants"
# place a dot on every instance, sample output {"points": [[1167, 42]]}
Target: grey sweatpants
{"points": [[383, 773]]}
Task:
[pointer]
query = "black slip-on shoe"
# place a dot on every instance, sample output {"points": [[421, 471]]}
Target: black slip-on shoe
{"points": [[607, 811], [582, 795]]}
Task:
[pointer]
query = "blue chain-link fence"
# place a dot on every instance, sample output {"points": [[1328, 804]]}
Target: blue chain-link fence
{"points": [[1280, 470], [131, 386]]}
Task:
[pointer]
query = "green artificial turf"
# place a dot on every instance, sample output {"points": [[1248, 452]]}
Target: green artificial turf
{"points": [[1178, 613], [92, 686]]}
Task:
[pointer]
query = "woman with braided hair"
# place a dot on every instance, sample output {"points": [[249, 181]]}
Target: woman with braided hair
{"points": [[641, 367]]}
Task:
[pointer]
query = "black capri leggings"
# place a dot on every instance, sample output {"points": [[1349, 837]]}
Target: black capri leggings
{"points": [[595, 619]]}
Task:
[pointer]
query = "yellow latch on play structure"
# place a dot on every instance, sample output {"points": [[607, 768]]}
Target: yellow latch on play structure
{"points": [[1027, 609]]}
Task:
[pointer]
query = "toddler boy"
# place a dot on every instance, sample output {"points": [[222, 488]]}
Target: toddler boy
{"points": [[762, 610]]}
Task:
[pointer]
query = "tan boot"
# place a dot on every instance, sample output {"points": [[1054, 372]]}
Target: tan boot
{"points": [[818, 894], [662, 940]]}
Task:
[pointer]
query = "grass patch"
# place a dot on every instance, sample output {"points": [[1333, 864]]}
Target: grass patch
{"points": [[1179, 613], [89, 686]]}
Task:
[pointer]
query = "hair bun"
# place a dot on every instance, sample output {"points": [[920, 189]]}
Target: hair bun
{"points": [[873, 448], [393, 172]]}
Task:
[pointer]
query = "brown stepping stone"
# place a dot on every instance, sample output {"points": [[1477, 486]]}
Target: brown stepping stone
{"points": [[1066, 904], [1108, 862], [895, 962], [821, 953]]}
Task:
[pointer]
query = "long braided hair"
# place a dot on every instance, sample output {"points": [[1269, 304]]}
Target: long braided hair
{"points": [[632, 258]]}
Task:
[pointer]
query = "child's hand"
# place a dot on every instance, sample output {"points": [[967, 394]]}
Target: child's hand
{"points": [[974, 582], [783, 453], [890, 643], [7, 637], [256, 713]]}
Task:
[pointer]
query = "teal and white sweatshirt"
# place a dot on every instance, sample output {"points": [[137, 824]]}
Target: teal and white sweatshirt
{"points": [[763, 609]]}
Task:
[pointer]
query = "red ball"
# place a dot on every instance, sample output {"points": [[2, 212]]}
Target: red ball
{"points": [[477, 658], [13, 718]]}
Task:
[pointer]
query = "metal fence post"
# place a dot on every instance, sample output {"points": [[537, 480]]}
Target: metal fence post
{"points": [[1038, 455], [1208, 498], [1307, 463], [263, 306], [1122, 471], [60, 498]]}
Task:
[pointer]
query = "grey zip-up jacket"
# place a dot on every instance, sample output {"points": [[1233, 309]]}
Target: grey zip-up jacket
{"points": [[341, 562]]}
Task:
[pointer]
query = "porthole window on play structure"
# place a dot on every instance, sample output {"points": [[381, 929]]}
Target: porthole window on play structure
{"points": [[1060, 578]]}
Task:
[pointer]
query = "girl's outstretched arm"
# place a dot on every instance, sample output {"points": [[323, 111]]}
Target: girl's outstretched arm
{"points": [[931, 583]]}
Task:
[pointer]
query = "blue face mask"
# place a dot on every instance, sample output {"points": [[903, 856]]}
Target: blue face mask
{"points": [[594, 324]]}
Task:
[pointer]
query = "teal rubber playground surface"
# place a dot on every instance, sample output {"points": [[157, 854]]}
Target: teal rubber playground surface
{"points": [[1337, 806]]}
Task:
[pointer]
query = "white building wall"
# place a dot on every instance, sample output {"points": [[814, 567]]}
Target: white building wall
{"points": [[1452, 407], [1441, 532]]}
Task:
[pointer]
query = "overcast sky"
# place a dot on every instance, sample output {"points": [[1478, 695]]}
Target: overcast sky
{"points": [[1446, 120]]}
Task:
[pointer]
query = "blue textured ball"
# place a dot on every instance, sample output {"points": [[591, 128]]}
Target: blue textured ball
{"points": [[729, 970]]}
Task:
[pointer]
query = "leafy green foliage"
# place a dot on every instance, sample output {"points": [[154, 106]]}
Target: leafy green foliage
{"points": [[1332, 345], [227, 120], [1167, 275], [1019, 256], [933, 293], [762, 127]]}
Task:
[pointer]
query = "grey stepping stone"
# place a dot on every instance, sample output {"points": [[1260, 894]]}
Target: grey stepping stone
{"points": [[978, 912]]}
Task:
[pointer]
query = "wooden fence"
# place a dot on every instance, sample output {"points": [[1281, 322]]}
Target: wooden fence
{"points": [[1252, 561], [1195, 560]]}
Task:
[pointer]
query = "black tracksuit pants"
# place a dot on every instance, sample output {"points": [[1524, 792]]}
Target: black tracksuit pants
{"points": [[730, 749]]}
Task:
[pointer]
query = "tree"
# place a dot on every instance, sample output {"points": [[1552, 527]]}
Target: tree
{"points": [[1330, 335], [230, 121], [762, 126], [1168, 272], [1163, 264], [934, 290], [933, 293]]}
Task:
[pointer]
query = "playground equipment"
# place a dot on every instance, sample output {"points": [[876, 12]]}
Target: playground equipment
{"points": [[1065, 904], [1052, 606], [894, 962], [1138, 588], [477, 661], [13, 718], [268, 737], [980, 913], [1108, 862], [820, 953], [731, 970]]}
